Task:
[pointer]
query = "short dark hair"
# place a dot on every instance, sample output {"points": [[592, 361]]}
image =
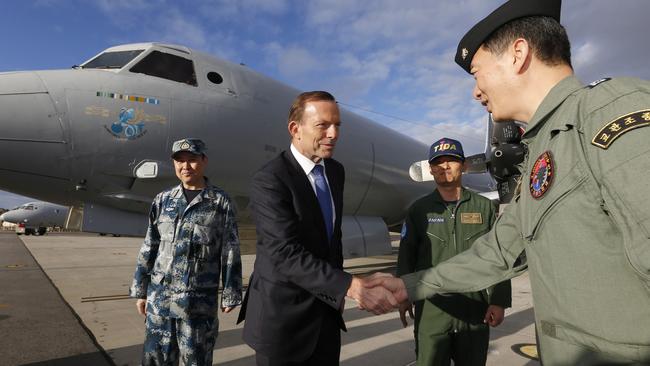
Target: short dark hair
{"points": [[546, 36], [298, 106]]}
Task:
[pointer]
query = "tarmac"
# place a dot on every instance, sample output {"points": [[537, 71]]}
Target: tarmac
{"points": [[64, 301]]}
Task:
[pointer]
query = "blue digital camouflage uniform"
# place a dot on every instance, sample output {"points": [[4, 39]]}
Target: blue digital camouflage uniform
{"points": [[186, 249]]}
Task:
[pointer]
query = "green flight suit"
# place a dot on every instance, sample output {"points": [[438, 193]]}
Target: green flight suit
{"points": [[449, 326], [585, 237]]}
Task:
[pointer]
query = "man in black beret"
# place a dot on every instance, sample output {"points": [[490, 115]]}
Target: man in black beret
{"points": [[580, 220]]}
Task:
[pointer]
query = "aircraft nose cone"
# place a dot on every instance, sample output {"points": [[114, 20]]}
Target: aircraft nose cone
{"points": [[31, 131], [8, 217]]}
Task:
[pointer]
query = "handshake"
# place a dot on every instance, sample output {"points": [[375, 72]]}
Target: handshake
{"points": [[382, 292], [378, 293]]}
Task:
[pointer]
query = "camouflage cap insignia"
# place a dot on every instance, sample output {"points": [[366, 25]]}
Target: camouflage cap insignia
{"points": [[185, 145], [619, 126], [541, 176]]}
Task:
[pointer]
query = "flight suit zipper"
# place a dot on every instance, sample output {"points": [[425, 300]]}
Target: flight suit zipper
{"points": [[453, 230]]}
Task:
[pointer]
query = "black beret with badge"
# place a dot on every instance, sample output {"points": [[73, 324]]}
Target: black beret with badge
{"points": [[511, 10]]}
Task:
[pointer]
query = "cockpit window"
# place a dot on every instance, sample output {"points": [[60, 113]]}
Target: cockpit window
{"points": [[28, 207], [167, 66], [112, 60]]}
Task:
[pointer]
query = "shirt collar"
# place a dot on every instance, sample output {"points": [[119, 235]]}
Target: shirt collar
{"points": [[464, 195], [305, 163], [177, 191], [553, 99]]}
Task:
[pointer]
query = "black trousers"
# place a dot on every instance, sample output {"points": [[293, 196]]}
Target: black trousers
{"points": [[326, 353]]}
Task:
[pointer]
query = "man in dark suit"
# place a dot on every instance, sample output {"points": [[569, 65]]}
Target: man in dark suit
{"points": [[296, 293]]}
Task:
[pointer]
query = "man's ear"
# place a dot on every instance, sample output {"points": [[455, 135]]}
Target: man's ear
{"points": [[464, 167], [293, 127], [521, 54]]}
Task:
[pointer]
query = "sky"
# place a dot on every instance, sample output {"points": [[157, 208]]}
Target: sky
{"points": [[389, 60]]}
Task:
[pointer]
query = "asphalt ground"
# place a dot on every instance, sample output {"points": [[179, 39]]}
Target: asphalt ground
{"points": [[37, 326], [93, 274]]}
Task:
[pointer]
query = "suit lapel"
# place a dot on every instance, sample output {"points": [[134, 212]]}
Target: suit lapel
{"points": [[302, 186]]}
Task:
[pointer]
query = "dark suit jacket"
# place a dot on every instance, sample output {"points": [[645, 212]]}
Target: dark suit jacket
{"points": [[298, 282]]}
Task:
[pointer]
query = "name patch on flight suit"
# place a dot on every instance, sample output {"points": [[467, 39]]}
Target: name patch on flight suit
{"points": [[471, 218], [436, 220], [619, 126], [541, 176]]}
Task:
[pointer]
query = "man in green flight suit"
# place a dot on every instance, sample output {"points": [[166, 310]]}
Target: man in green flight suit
{"points": [[580, 222], [438, 226]]}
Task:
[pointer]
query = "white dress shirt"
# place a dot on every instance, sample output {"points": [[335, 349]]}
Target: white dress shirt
{"points": [[307, 165]]}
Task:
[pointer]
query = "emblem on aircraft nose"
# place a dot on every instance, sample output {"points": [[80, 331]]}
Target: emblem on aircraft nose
{"points": [[129, 126]]}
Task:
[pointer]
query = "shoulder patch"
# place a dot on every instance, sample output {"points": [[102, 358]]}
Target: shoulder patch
{"points": [[542, 174], [619, 126], [599, 81]]}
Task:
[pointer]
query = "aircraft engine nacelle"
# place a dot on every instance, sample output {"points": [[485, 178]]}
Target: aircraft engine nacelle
{"points": [[365, 236]]}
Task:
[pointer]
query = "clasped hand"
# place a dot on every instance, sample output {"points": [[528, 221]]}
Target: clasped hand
{"points": [[378, 293]]}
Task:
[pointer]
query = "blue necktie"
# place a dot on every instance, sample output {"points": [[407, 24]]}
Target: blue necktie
{"points": [[324, 198]]}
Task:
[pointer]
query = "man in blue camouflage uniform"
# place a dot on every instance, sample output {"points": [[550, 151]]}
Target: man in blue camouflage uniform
{"points": [[191, 240]]}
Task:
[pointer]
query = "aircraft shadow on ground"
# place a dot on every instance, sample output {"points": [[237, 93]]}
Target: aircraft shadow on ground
{"points": [[94, 358]]}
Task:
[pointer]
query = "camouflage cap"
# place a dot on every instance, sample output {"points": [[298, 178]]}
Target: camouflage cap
{"points": [[191, 145], [511, 10]]}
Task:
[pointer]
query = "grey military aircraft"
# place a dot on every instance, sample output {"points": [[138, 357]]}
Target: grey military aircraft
{"points": [[35, 217], [97, 137]]}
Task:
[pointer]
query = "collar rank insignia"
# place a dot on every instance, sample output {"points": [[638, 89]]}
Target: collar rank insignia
{"points": [[541, 176], [593, 84], [619, 126]]}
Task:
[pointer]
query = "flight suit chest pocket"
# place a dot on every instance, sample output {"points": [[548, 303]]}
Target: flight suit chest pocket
{"points": [[435, 232], [563, 179], [475, 234]]}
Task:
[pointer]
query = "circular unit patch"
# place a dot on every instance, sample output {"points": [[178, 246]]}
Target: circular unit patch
{"points": [[541, 176]]}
